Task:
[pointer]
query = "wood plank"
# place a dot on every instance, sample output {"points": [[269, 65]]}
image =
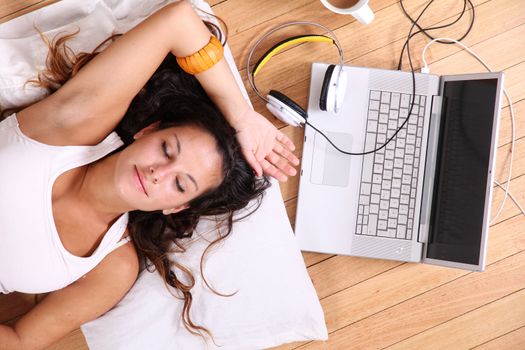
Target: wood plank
{"points": [[360, 306], [365, 324], [517, 187], [341, 272], [467, 331], [511, 340], [314, 11], [505, 131], [369, 322], [355, 38], [10, 9], [382, 56]]}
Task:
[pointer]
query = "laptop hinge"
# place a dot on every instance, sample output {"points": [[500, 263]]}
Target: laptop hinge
{"points": [[430, 168]]}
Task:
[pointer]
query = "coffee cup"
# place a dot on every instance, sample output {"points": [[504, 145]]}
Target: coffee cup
{"points": [[357, 8]]}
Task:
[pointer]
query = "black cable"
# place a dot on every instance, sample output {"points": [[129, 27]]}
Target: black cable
{"points": [[424, 30], [411, 102], [407, 46]]}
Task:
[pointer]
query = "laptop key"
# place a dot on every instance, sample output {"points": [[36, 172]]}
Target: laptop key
{"points": [[401, 231], [398, 172], [375, 95], [395, 192], [364, 200], [392, 223], [394, 114], [368, 163], [405, 101], [372, 225], [391, 232], [394, 101], [393, 212], [365, 188], [372, 126]]}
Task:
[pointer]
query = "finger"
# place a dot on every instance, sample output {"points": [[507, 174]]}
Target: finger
{"points": [[271, 170], [281, 164], [286, 154], [285, 140], [252, 160]]}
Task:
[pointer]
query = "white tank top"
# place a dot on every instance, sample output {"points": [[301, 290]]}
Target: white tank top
{"points": [[32, 257]]}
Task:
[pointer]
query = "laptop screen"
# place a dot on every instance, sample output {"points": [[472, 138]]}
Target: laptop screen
{"points": [[462, 167]]}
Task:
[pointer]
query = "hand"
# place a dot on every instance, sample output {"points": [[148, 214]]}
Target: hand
{"points": [[266, 149]]}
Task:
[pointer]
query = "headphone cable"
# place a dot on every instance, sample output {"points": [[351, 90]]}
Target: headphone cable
{"points": [[411, 102], [424, 30]]}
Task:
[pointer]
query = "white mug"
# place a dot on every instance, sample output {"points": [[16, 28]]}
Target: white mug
{"points": [[360, 9]]}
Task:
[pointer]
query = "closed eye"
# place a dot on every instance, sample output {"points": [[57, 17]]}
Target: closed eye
{"points": [[165, 150], [179, 187]]}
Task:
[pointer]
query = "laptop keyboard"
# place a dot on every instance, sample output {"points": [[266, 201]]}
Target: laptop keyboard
{"points": [[389, 176]]}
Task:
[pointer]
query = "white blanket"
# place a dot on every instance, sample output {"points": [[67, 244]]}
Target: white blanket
{"points": [[275, 301]]}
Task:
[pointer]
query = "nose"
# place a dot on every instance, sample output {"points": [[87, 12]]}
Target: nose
{"points": [[158, 173]]}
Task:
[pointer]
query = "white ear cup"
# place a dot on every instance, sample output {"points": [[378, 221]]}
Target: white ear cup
{"points": [[282, 112], [336, 90]]}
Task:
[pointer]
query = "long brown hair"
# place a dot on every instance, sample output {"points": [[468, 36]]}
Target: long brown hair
{"points": [[180, 100]]}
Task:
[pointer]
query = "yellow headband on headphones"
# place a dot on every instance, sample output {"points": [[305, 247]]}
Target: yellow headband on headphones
{"points": [[285, 43]]}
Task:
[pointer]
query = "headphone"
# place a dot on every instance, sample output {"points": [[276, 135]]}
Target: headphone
{"points": [[334, 82]]}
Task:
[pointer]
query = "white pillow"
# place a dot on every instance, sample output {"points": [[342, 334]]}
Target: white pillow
{"points": [[275, 301]]}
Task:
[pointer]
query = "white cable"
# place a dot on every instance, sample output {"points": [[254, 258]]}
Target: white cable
{"points": [[512, 197], [425, 69]]}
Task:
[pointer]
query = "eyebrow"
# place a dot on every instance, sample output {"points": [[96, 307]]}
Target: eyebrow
{"points": [[178, 153]]}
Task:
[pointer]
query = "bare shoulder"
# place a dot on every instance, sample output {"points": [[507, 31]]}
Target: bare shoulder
{"points": [[121, 266]]}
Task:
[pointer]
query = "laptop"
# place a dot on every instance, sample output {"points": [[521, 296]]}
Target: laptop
{"points": [[426, 196]]}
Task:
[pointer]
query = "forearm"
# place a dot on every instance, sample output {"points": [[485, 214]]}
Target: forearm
{"points": [[9, 339], [218, 81], [221, 86]]}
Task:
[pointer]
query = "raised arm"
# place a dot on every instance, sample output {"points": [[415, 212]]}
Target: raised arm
{"points": [[65, 310], [90, 105]]}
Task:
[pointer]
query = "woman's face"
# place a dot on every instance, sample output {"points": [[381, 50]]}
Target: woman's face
{"points": [[165, 169]]}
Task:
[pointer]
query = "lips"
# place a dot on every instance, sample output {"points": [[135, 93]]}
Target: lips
{"points": [[140, 181]]}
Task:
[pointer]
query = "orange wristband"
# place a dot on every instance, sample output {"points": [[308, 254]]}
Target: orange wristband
{"points": [[203, 59]]}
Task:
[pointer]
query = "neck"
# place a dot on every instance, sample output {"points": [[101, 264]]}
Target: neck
{"points": [[99, 192]]}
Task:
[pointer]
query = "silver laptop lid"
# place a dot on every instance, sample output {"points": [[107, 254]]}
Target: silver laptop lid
{"points": [[459, 190]]}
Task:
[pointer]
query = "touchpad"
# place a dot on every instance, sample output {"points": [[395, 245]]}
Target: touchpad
{"points": [[329, 166]]}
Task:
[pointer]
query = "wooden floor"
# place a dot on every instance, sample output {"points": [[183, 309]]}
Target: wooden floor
{"points": [[374, 304]]}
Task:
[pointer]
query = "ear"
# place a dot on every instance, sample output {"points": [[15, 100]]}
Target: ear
{"points": [[175, 210], [146, 130]]}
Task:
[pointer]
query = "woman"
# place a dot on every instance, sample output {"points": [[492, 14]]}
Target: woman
{"points": [[170, 170]]}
